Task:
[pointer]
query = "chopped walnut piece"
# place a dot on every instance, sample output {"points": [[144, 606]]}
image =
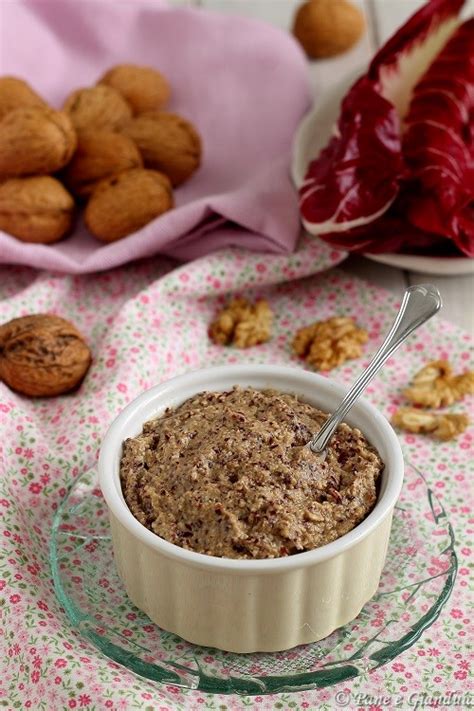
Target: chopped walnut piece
{"points": [[436, 386], [242, 324], [327, 344], [440, 426]]}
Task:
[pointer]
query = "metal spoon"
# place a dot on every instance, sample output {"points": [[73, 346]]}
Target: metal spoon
{"points": [[419, 304]]}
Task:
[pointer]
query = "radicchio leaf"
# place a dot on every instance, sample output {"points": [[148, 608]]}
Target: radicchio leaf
{"points": [[357, 177], [405, 57], [438, 144]]}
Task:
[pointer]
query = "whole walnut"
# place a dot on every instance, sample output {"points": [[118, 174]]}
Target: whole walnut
{"points": [[35, 141], [35, 209], [327, 27], [97, 107], [144, 88], [42, 355], [126, 202], [15, 94], [99, 155], [168, 143]]}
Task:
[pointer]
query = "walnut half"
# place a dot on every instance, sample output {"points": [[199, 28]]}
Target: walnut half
{"points": [[440, 426], [42, 355], [327, 344], [436, 386], [242, 324]]}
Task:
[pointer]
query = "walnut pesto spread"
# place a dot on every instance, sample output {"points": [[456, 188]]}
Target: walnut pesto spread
{"points": [[227, 474]]}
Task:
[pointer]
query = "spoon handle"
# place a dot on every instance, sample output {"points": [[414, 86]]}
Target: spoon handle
{"points": [[419, 304]]}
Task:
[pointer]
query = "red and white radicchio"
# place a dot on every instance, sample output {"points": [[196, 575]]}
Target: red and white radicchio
{"points": [[401, 143]]}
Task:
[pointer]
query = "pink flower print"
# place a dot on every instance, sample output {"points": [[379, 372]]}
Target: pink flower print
{"points": [[72, 703], [433, 652], [2, 584], [437, 679], [35, 676], [28, 453], [398, 667], [35, 487], [461, 674], [109, 703], [60, 663], [84, 700], [464, 551], [57, 680], [15, 598], [37, 662], [456, 613], [121, 387]]}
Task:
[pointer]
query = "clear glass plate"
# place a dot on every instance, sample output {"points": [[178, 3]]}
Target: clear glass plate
{"points": [[416, 583]]}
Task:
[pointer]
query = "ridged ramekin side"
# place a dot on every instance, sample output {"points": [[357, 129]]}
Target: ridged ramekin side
{"points": [[246, 612]]}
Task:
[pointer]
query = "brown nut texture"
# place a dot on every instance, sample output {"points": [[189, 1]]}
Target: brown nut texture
{"points": [[35, 141], [97, 107], [144, 88], [35, 209], [242, 324], [126, 202], [436, 385], [42, 355], [327, 344], [325, 28], [99, 155], [15, 94], [168, 143], [443, 426]]}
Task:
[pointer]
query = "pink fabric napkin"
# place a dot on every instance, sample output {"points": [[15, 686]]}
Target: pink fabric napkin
{"points": [[145, 323], [242, 83]]}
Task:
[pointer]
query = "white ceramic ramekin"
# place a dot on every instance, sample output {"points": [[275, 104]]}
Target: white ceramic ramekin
{"points": [[250, 605]]}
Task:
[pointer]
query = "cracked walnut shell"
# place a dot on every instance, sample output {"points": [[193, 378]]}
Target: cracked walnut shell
{"points": [[97, 107], [327, 344], [35, 209], [242, 324], [144, 88], [42, 355], [35, 141], [168, 143], [440, 426], [436, 386]]}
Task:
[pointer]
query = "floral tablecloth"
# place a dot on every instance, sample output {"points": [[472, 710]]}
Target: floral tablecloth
{"points": [[146, 322]]}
